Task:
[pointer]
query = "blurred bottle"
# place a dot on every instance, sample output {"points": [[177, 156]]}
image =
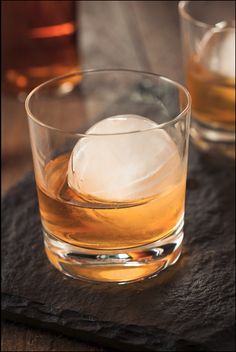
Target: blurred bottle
{"points": [[39, 42]]}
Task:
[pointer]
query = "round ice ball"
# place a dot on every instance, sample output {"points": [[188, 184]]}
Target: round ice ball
{"points": [[217, 51], [122, 158]]}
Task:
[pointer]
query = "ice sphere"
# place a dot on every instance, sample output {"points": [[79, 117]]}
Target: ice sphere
{"points": [[217, 51], [121, 166]]}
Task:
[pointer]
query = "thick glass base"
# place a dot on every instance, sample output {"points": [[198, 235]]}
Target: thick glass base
{"points": [[216, 141], [114, 266]]}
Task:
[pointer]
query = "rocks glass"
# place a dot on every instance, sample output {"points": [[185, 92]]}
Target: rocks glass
{"points": [[208, 34], [110, 160]]}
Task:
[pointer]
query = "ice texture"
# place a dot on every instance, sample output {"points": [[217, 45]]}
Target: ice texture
{"points": [[122, 166], [217, 51]]}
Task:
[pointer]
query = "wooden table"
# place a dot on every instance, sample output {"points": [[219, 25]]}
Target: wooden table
{"points": [[142, 35]]}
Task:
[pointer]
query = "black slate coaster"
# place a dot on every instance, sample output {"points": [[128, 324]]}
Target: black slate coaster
{"points": [[188, 307]]}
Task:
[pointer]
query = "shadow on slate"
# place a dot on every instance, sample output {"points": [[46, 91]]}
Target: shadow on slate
{"points": [[188, 307]]}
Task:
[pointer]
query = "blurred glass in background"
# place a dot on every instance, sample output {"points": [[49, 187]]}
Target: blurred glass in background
{"points": [[208, 34], [39, 42]]}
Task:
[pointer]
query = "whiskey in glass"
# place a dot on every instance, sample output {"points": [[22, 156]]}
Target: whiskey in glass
{"points": [[111, 182], [208, 35]]}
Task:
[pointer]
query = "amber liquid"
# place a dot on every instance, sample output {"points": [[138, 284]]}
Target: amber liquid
{"points": [[39, 42], [213, 96], [95, 224]]}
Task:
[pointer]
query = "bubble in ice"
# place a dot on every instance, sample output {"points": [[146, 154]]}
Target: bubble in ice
{"points": [[121, 166], [217, 50]]}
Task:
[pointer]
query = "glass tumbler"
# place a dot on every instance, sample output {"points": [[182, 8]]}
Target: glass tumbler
{"points": [[208, 35], [110, 161]]}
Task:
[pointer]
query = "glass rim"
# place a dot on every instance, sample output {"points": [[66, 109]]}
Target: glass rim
{"points": [[88, 71], [185, 14]]}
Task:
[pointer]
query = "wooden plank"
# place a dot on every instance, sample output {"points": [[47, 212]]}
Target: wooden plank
{"points": [[16, 337], [16, 151], [106, 41], [158, 26]]}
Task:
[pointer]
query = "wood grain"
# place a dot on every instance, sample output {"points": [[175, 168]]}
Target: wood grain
{"points": [[158, 27], [106, 40], [140, 35], [16, 152], [17, 337]]}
